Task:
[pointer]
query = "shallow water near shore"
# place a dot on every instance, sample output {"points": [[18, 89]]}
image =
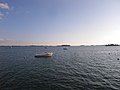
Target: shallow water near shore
{"points": [[77, 68]]}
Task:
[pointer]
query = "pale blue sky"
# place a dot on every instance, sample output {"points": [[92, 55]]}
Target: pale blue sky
{"points": [[54, 22]]}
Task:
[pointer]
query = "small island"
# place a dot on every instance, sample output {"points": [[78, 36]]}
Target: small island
{"points": [[112, 45], [65, 45]]}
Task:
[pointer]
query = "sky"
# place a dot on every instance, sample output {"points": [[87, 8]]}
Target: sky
{"points": [[56, 22]]}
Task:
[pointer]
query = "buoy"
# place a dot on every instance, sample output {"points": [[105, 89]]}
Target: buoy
{"points": [[118, 59]]}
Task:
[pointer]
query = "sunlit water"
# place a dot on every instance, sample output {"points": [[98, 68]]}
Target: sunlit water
{"points": [[78, 68]]}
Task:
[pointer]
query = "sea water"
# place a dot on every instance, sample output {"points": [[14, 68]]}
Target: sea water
{"points": [[77, 68]]}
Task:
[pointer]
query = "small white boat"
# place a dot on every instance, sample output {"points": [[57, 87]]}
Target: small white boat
{"points": [[48, 54]]}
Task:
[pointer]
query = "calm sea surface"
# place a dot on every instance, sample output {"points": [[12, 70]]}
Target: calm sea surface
{"points": [[78, 68]]}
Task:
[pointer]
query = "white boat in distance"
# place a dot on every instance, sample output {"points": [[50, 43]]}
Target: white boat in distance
{"points": [[47, 54]]}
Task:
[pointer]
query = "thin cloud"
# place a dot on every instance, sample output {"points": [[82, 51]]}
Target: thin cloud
{"points": [[6, 40], [4, 6], [1, 39], [1, 15]]}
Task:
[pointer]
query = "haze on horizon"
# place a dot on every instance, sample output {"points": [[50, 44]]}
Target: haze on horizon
{"points": [[55, 22]]}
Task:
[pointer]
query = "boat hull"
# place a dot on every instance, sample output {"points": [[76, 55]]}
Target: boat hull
{"points": [[44, 55]]}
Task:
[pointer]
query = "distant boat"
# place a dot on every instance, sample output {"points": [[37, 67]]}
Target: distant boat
{"points": [[65, 49], [45, 47], [48, 54]]}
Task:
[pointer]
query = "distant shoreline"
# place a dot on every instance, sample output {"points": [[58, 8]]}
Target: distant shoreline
{"points": [[55, 45]]}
